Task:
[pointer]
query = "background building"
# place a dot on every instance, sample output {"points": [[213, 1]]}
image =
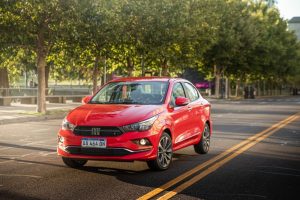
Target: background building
{"points": [[294, 24]]}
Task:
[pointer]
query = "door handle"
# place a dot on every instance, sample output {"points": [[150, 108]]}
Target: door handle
{"points": [[189, 108]]}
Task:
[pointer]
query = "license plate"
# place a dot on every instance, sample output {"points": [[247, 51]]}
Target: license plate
{"points": [[93, 142]]}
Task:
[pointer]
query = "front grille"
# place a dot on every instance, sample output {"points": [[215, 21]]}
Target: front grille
{"points": [[103, 131], [99, 152]]}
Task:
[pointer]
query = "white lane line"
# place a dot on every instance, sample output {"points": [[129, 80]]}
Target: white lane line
{"points": [[275, 167], [10, 155], [40, 130], [17, 157], [20, 175], [47, 154], [14, 157], [24, 145], [26, 163], [7, 161], [46, 145], [38, 143], [275, 173]]}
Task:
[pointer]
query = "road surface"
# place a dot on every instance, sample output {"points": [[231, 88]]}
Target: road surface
{"points": [[255, 154]]}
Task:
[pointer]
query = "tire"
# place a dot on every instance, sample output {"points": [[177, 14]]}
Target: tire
{"points": [[74, 163], [164, 154], [203, 146]]}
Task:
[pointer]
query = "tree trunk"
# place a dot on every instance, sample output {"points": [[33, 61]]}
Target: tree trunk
{"points": [[217, 86], [264, 88], [41, 65], [258, 89], [4, 82], [228, 87], [47, 72], [237, 87], [130, 66], [143, 66], [95, 74], [165, 68], [104, 70]]}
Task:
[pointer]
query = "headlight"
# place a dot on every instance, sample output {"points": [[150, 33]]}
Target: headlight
{"points": [[66, 125], [140, 126]]}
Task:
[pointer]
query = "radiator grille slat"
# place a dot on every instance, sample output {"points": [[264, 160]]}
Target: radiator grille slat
{"points": [[103, 131]]}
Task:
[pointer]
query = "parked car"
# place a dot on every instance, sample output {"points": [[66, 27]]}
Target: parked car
{"points": [[129, 119]]}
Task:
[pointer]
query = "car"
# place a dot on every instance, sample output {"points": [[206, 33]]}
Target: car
{"points": [[136, 119]]}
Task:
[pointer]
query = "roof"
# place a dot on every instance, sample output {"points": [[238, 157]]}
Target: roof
{"points": [[295, 20], [141, 79]]}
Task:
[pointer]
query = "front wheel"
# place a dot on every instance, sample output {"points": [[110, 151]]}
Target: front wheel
{"points": [[74, 163], [164, 154], [203, 146]]}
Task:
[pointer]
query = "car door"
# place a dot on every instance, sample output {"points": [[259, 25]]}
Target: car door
{"points": [[179, 115], [195, 108]]}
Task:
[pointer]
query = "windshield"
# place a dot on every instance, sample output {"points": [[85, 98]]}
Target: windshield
{"points": [[147, 93]]}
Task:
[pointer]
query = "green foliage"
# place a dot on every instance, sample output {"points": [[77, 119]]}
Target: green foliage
{"points": [[243, 39]]}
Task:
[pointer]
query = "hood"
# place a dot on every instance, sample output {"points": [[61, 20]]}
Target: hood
{"points": [[112, 114]]}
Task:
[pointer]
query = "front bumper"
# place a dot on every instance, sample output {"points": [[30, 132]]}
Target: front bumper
{"points": [[120, 148]]}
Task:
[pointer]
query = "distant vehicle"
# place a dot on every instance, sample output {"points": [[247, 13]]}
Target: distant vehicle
{"points": [[129, 119]]}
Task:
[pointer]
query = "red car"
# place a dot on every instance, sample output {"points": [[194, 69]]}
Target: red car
{"points": [[144, 119]]}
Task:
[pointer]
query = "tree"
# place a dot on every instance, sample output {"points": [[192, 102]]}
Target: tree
{"points": [[36, 25], [92, 34]]}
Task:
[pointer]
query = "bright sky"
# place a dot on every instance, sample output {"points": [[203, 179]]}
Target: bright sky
{"points": [[289, 8]]}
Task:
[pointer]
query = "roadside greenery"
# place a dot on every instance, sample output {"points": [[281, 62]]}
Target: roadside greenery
{"points": [[87, 39]]}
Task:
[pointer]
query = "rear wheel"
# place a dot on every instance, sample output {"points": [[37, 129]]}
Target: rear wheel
{"points": [[164, 154], [74, 163], [203, 146]]}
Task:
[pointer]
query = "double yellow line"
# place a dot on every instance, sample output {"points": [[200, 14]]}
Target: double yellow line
{"points": [[222, 159]]}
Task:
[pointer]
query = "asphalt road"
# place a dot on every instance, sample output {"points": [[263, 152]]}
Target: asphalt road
{"points": [[265, 167]]}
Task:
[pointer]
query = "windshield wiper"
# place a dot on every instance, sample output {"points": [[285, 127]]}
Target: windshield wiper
{"points": [[97, 102]]}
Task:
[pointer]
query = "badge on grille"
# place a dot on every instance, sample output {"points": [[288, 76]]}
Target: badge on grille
{"points": [[96, 131]]}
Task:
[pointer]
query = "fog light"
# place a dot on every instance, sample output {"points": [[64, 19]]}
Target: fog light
{"points": [[61, 139], [143, 142]]}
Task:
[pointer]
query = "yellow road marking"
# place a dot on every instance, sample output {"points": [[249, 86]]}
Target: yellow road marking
{"points": [[222, 162], [209, 162]]}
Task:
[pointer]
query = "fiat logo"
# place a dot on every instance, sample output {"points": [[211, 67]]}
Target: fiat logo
{"points": [[96, 131]]}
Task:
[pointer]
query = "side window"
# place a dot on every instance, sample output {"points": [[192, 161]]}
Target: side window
{"points": [[177, 91], [192, 93]]}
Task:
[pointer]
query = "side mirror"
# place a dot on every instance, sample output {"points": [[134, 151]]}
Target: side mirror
{"points": [[86, 99], [181, 101]]}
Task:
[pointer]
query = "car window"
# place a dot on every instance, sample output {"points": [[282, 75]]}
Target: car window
{"points": [[191, 91], [177, 91], [139, 92]]}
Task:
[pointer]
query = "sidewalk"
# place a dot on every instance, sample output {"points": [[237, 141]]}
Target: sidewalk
{"points": [[26, 112]]}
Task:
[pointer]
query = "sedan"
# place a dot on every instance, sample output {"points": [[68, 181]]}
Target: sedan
{"points": [[143, 119]]}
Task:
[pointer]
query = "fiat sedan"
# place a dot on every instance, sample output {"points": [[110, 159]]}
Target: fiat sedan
{"points": [[129, 119]]}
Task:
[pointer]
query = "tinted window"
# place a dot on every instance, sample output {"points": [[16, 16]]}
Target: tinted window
{"points": [[191, 91], [177, 91]]}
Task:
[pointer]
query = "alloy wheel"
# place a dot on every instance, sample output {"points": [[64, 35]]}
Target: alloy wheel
{"points": [[165, 151]]}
